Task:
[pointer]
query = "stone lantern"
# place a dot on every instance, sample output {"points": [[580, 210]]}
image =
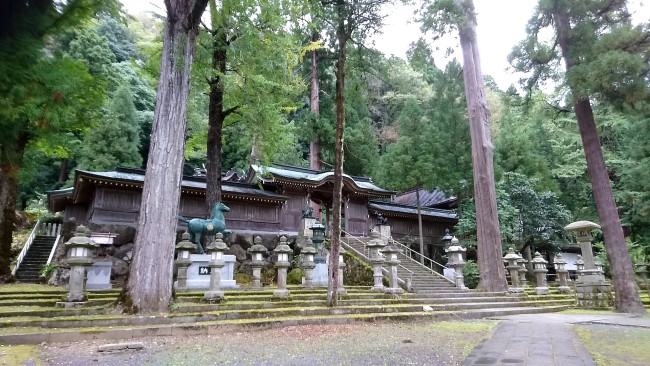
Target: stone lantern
{"points": [[376, 260], [183, 249], [562, 273], [590, 274], [598, 264], [539, 267], [320, 272], [257, 261], [446, 239], [282, 250], [340, 289], [580, 264], [308, 263], [79, 255], [391, 259], [456, 261], [512, 258], [521, 262], [216, 250]]}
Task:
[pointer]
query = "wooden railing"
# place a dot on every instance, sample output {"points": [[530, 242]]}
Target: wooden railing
{"points": [[41, 229]]}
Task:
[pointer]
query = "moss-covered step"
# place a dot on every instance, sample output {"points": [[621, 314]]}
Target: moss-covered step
{"points": [[34, 335]]}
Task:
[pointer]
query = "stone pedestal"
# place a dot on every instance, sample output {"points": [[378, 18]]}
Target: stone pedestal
{"points": [[99, 276], [513, 269], [539, 268], [198, 273], [308, 264], [594, 296], [216, 250], [282, 264], [384, 232], [305, 227], [376, 260], [392, 262], [76, 291]]}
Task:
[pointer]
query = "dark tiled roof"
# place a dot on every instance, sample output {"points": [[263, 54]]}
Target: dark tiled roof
{"points": [[314, 177], [427, 198], [435, 213], [198, 183]]}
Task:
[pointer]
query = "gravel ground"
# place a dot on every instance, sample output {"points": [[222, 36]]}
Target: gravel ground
{"points": [[444, 343]]}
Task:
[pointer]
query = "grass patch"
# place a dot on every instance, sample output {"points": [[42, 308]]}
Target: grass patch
{"points": [[30, 287], [19, 355], [587, 312], [464, 332], [616, 346]]}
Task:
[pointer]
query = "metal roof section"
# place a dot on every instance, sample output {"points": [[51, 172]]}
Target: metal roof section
{"points": [[314, 178], [404, 210], [435, 198]]}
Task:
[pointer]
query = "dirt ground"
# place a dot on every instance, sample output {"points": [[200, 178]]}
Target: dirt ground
{"points": [[441, 343]]}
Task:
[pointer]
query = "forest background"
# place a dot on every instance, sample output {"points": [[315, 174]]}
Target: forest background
{"points": [[406, 121]]}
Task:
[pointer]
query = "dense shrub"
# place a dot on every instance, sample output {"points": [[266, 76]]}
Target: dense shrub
{"points": [[470, 272]]}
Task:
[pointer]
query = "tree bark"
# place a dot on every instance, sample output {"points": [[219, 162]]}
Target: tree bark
{"points": [[8, 195], [417, 198], [63, 171], [149, 288], [627, 297], [492, 272], [314, 146], [337, 195], [216, 117]]}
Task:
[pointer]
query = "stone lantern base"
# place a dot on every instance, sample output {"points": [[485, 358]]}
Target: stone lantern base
{"points": [[594, 296], [71, 304], [393, 290]]}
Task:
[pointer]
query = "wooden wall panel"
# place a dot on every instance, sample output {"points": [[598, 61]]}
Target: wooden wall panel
{"points": [[356, 218], [292, 211]]}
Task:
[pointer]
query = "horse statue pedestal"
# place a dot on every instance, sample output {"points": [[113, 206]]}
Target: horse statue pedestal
{"points": [[198, 273]]}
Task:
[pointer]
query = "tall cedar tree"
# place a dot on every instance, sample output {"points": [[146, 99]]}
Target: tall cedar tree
{"points": [[39, 96], [627, 296], [149, 288], [461, 14]]}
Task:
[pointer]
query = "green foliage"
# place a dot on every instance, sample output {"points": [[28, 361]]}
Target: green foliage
{"points": [[471, 274], [118, 38], [116, 141], [294, 277], [48, 269], [243, 278]]}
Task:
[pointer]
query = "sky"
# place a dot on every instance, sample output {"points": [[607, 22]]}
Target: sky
{"points": [[500, 26]]}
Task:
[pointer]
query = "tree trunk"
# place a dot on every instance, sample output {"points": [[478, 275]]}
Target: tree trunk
{"points": [[63, 171], [216, 117], [492, 272], [314, 146], [149, 288], [9, 170], [417, 198], [337, 198], [8, 195], [627, 296]]}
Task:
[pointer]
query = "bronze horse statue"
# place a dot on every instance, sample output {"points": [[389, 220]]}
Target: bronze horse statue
{"points": [[215, 224]]}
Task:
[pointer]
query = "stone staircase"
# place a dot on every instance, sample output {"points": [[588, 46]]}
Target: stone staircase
{"points": [[35, 259], [423, 280]]}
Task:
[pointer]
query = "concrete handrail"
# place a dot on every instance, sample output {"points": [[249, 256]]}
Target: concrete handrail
{"points": [[26, 247], [366, 257], [425, 259]]}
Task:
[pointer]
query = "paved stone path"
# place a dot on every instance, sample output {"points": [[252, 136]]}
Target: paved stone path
{"points": [[542, 339]]}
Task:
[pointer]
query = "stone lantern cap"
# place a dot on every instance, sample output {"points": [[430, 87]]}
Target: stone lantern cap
{"points": [[283, 247], [81, 239], [185, 242], [257, 246], [374, 241], [539, 259], [309, 249], [390, 249], [559, 259], [512, 255], [317, 225], [217, 244], [455, 246], [582, 226]]}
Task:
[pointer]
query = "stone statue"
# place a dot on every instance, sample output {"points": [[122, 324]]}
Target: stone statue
{"points": [[381, 220], [308, 212], [215, 224]]}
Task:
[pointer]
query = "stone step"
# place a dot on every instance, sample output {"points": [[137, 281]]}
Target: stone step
{"points": [[27, 336]]}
